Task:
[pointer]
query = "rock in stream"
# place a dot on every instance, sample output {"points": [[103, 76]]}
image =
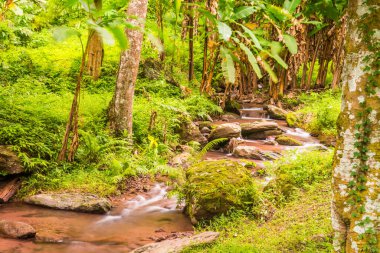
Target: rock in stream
{"points": [[71, 202], [177, 245], [16, 230]]}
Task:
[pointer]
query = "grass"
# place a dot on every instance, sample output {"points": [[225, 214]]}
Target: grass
{"points": [[317, 113], [295, 211], [303, 225]]}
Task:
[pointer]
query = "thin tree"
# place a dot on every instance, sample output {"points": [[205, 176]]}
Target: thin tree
{"points": [[191, 40], [356, 176], [121, 106]]}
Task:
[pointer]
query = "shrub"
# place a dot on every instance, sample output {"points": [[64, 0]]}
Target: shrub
{"points": [[298, 170], [319, 112]]}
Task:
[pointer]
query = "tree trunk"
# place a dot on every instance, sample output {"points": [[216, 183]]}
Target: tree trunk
{"points": [[356, 176], [191, 40], [95, 50], [72, 123], [160, 24], [120, 112]]}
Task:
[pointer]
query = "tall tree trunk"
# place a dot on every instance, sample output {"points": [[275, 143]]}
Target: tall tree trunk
{"points": [[160, 23], [95, 50], [356, 176], [191, 40], [120, 112], [209, 48]]}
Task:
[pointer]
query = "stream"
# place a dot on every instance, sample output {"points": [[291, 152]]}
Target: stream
{"points": [[136, 221]]}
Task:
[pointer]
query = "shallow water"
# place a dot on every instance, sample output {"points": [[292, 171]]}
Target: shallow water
{"points": [[134, 223]]}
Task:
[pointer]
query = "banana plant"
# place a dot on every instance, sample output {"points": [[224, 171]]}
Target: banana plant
{"points": [[238, 32]]}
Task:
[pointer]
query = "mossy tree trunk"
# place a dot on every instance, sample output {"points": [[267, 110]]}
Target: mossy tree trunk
{"points": [[120, 113], [356, 199]]}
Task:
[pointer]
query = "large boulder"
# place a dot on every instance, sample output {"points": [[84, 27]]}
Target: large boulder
{"points": [[259, 126], [276, 112], [179, 244], [263, 135], [71, 202], [227, 130], [181, 160], [287, 141], [251, 152], [16, 230], [189, 131], [9, 162], [214, 187]]}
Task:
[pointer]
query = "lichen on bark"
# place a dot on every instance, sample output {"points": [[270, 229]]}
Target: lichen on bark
{"points": [[349, 228]]}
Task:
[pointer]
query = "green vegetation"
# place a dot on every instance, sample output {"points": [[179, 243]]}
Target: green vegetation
{"points": [[95, 92], [35, 99], [300, 223], [214, 187], [297, 170], [317, 113]]}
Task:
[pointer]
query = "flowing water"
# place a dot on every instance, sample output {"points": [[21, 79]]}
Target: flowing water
{"points": [[134, 223], [256, 113]]}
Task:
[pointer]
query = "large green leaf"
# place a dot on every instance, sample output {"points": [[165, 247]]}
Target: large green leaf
{"points": [[251, 58], [224, 31], [228, 66], [290, 43], [271, 73], [253, 37], [120, 36], [177, 7], [291, 5], [276, 49], [63, 33], [106, 35], [243, 12], [278, 13]]}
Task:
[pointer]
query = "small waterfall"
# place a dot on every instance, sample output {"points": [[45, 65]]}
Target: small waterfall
{"points": [[156, 200]]}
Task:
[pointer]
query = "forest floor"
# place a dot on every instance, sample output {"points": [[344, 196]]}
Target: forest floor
{"points": [[302, 225]]}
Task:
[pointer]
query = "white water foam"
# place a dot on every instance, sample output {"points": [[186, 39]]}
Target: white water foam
{"points": [[141, 204]]}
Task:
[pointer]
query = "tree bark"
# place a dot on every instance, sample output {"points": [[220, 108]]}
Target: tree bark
{"points": [[120, 112], [191, 40], [355, 80], [95, 52]]}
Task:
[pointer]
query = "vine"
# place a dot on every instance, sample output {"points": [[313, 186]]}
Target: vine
{"points": [[362, 136]]}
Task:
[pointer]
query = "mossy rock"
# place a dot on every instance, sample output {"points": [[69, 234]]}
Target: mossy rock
{"points": [[214, 187], [291, 119], [287, 141]]}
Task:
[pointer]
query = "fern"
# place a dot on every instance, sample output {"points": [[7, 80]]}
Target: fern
{"points": [[210, 146]]}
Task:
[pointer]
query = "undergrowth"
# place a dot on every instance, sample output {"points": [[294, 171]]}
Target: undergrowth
{"points": [[36, 91], [299, 223], [317, 113]]}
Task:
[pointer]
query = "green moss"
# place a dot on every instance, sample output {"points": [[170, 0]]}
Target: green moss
{"points": [[291, 119], [288, 141], [214, 187]]}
